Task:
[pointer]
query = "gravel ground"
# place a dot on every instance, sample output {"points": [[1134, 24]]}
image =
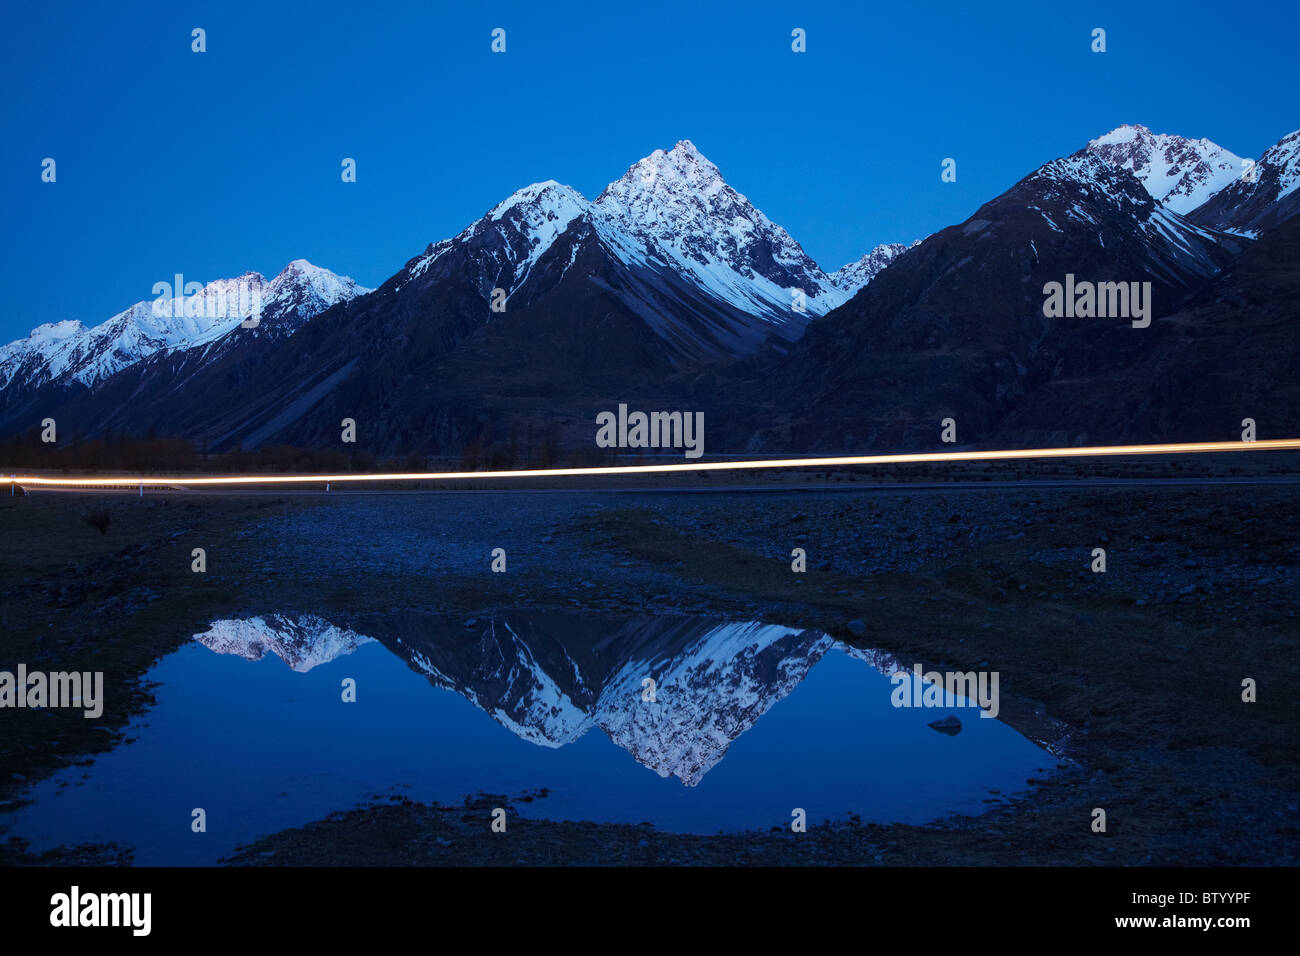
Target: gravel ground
{"points": [[1135, 673]]}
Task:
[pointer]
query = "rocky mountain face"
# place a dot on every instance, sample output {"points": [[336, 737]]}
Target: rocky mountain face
{"points": [[301, 642], [956, 327], [1227, 353], [552, 679], [671, 290], [669, 244], [548, 299], [61, 360], [1179, 173], [855, 275], [1252, 205]]}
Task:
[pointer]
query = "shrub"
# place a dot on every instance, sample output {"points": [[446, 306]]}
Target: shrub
{"points": [[99, 520]]}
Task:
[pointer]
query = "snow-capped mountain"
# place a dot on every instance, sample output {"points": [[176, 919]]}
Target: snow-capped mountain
{"points": [[671, 288], [669, 269], [504, 678], [1181, 173], [1251, 205], [707, 694], [1098, 201], [551, 681], [68, 352], [855, 275], [689, 243], [306, 290], [956, 326], [680, 213], [508, 241], [302, 643]]}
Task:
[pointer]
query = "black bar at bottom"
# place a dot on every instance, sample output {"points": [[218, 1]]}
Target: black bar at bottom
{"points": [[650, 907]]}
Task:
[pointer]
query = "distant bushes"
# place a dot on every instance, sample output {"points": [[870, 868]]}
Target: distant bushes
{"points": [[118, 452], [99, 520], [114, 452]]}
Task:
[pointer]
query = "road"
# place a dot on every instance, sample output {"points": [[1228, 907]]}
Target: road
{"points": [[1081, 483]]}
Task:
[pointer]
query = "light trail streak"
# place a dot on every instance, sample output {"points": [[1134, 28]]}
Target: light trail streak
{"points": [[1013, 454]]}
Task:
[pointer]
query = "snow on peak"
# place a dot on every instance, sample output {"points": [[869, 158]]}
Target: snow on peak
{"points": [[544, 201], [56, 331], [681, 214], [680, 180], [70, 351], [22, 359], [1128, 133], [513, 235], [682, 167], [308, 288], [1179, 173], [719, 686], [302, 643], [852, 277], [1261, 197], [671, 210], [1090, 175], [1282, 159]]}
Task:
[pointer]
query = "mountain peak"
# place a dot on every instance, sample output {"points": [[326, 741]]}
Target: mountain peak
{"points": [[72, 352], [553, 200], [1125, 133], [856, 274], [682, 168], [1178, 172], [57, 331], [685, 154], [671, 214], [309, 289], [682, 213], [1252, 205]]}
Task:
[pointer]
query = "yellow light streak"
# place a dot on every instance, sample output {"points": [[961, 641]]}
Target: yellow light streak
{"points": [[1187, 448]]}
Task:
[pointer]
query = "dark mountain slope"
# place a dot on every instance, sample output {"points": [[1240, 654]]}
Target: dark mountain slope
{"points": [[955, 327]]}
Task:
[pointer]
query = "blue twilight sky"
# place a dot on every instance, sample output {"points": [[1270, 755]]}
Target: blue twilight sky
{"points": [[212, 164]]}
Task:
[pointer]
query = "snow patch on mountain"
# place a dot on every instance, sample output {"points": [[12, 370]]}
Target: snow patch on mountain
{"points": [[513, 234], [510, 685], [1178, 172], [706, 696], [682, 212], [1251, 207], [1284, 158], [853, 276], [533, 706], [301, 642]]}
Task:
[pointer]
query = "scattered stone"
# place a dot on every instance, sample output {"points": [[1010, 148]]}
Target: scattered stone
{"points": [[949, 725]]}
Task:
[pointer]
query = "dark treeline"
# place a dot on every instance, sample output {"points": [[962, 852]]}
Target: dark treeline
{"points": [[151, 455]]}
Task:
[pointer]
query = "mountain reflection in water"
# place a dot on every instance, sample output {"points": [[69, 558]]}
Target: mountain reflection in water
{"points": [[262, 746]]}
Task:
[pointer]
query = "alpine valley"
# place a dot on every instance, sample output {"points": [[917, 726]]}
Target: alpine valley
{"points": [[671, 290]]}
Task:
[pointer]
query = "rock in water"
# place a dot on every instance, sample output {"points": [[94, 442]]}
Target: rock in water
{"points": [[949, 725]]}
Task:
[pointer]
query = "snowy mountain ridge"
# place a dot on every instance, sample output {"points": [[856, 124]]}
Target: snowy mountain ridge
{"points": [[70, 352], [670, 211], [1178, 172]]}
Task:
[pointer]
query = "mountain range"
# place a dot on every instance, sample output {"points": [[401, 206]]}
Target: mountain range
{"points": [[672, 290], [550, 679]]}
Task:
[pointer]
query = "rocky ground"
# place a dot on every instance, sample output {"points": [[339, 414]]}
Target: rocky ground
{"points": [[1135, 673]]}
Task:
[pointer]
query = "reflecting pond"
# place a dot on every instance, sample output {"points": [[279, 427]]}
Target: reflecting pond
{"points": [[693, 725]]}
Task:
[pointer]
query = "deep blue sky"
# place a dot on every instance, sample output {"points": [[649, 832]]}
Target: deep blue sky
{"points": [[211, 164]]}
